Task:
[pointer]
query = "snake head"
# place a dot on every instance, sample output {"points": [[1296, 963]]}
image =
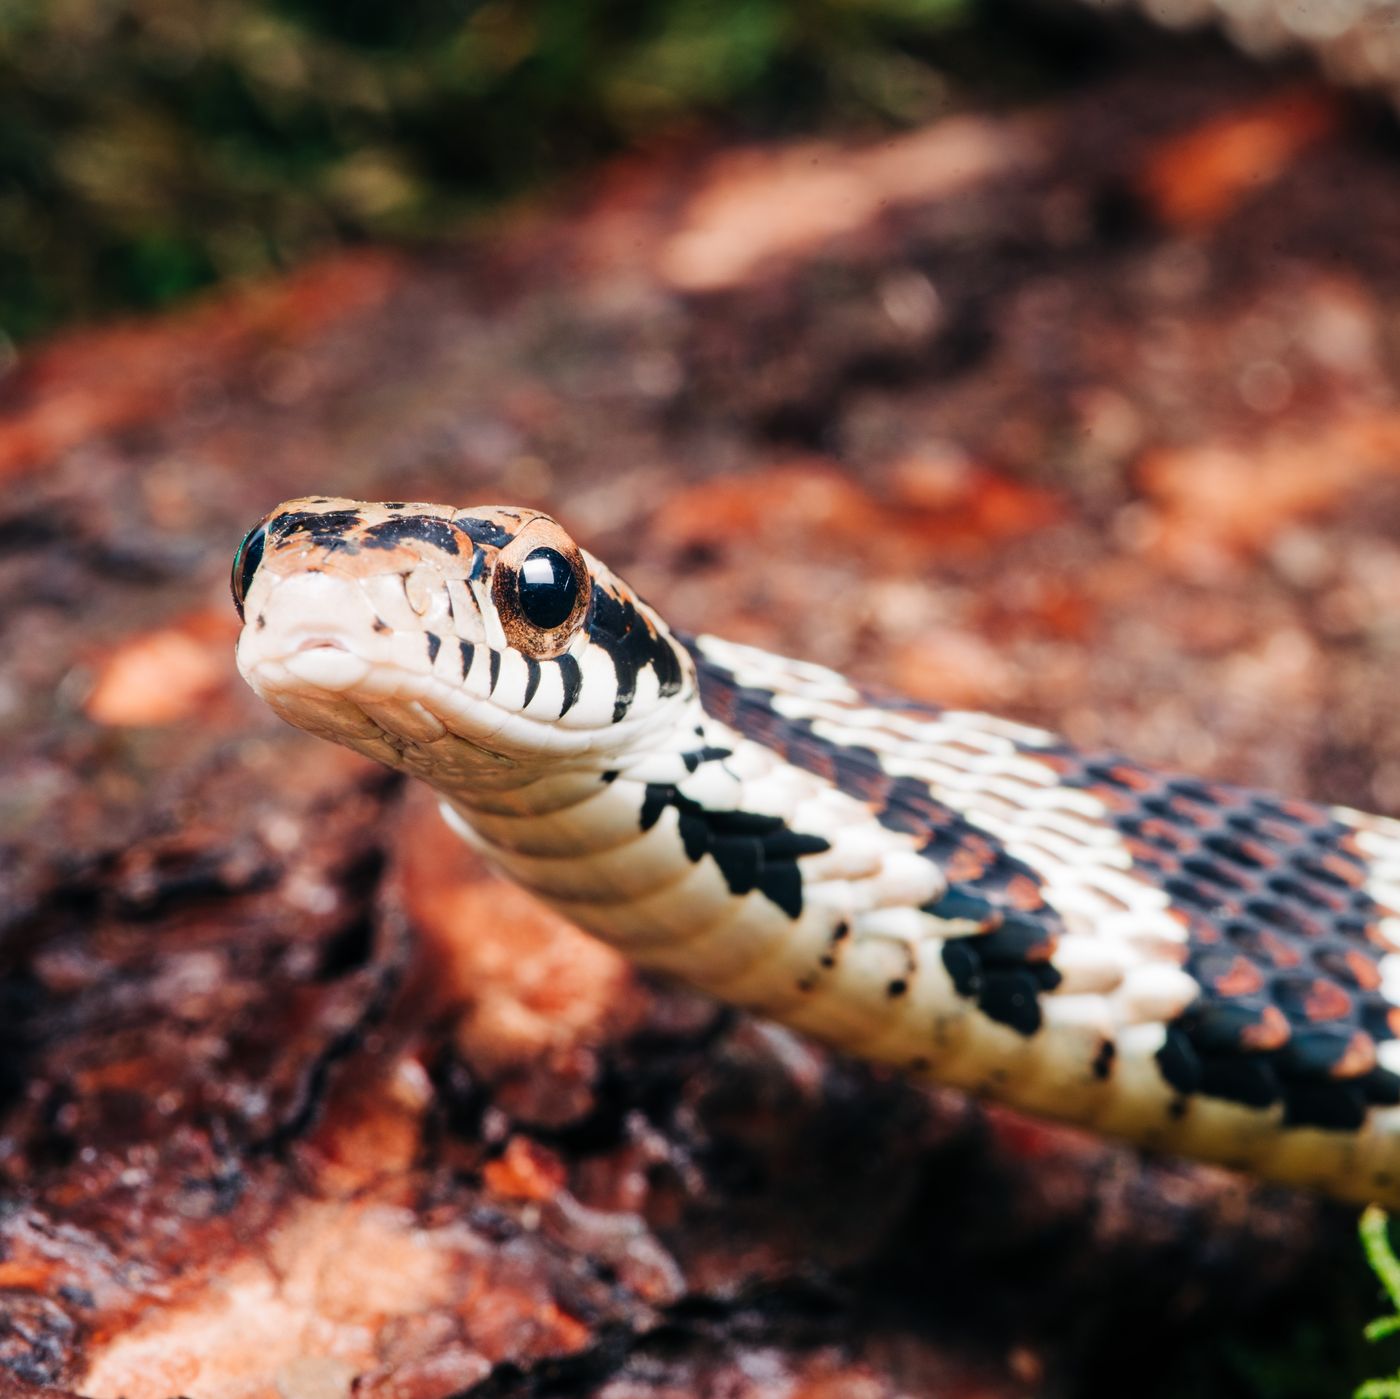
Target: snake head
{"points": [[447, 641]]}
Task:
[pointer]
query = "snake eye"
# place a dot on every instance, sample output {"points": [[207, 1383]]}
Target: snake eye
{"points": [[548, 589], [245, 565]]}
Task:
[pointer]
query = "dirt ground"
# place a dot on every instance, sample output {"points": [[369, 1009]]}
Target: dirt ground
{"points": [[1083, 412]]}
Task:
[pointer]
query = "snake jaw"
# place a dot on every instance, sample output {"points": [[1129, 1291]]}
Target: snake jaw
{"points": [[327, 666]]}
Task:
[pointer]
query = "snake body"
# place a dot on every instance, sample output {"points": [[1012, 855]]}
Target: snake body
{"points": [[1195, 967]]}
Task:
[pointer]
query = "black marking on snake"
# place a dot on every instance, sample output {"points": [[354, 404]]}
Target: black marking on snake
{"points": [[532, 680], [1004, 963], [572, 675], [429, 529], [493, 659], [468, 651], [615, 626], [963, 965], [1282, 939], [1003, 991], [1012, 998], [753, 851], [326, 529], [487, 532], [707, 754], [434, 645]]}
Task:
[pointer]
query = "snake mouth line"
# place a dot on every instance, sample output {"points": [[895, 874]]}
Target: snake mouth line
{"points": [[408, 706], [326, 664]]}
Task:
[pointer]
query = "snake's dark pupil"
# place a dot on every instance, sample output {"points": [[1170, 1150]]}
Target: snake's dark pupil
{"points": [[245, 564], [548, 589]]}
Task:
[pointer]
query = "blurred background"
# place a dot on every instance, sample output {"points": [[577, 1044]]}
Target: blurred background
{"points": [[155, 147], [1032, 355], [150, 148]]}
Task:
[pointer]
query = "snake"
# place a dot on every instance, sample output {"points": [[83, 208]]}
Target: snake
{"points": [[1198, 968]]}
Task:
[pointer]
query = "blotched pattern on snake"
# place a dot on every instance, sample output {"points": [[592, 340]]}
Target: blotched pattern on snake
{"points": [[1195, 967]]}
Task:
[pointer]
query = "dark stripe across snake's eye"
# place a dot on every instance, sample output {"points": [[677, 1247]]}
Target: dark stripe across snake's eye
{"points": [[245, 564], [548, 589]]}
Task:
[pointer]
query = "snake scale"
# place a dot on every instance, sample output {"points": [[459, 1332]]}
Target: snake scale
{"points": [[1198, 968]]}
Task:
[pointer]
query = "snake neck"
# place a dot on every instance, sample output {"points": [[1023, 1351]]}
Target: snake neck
{"points": [[713, 858]]}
